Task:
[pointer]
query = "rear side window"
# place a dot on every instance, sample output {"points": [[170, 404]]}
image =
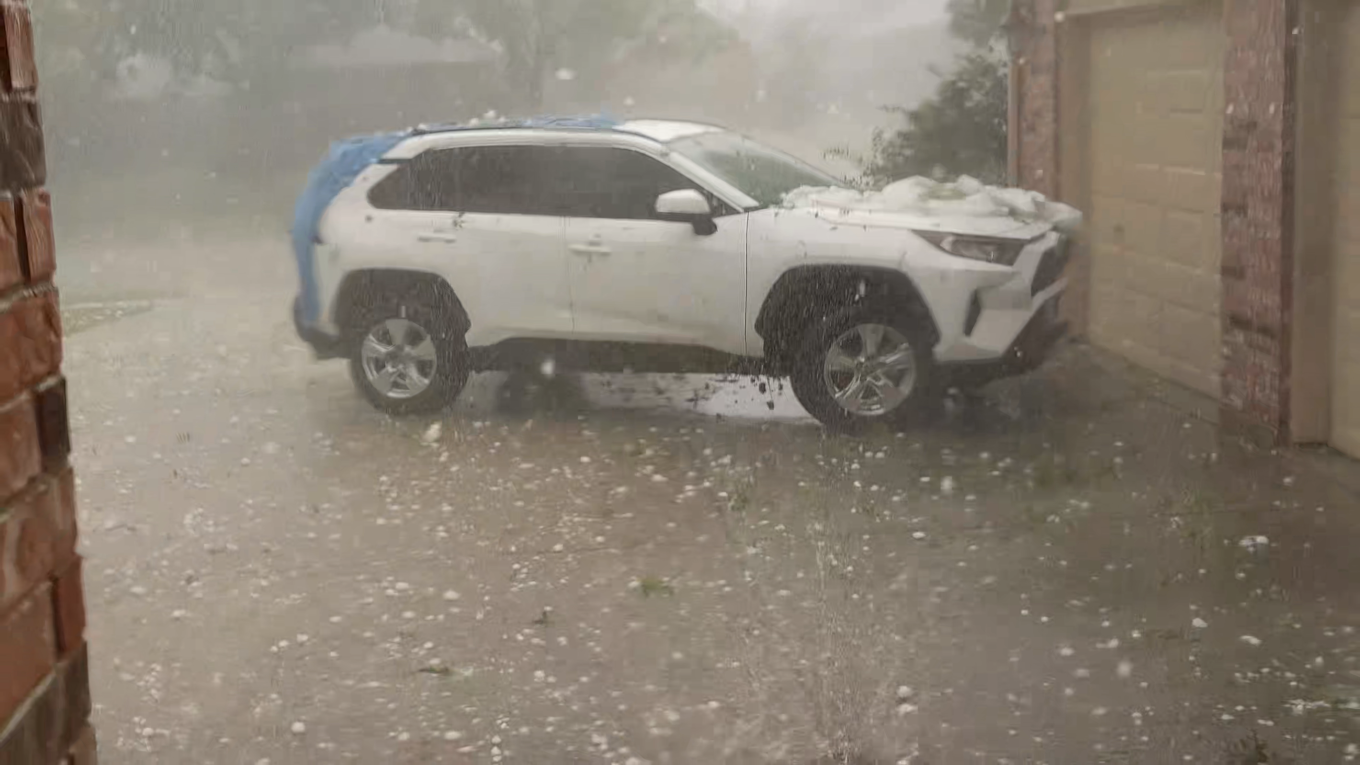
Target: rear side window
{"points": [[485, 179], [606, 182], [569, 181]]}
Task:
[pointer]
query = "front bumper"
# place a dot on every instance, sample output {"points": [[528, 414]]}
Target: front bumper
{"points": [[1030, 349], [324, 345], [982, 314]]}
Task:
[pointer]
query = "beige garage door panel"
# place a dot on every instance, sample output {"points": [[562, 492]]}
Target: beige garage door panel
{"points": [[1154, 104], [1346, 252], [1188, 91]]}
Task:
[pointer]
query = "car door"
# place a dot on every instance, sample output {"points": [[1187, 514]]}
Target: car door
{"points": [[635, 277], [479, 216]]}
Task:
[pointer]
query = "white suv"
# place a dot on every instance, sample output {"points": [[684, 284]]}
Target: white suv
{"points": [[656, 246]]}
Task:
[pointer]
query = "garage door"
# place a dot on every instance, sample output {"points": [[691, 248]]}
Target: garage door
{"points": [[1346, 248], [1154, 105]]}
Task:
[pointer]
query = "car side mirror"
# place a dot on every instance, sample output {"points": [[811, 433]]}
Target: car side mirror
{"points": [[689, 206]]}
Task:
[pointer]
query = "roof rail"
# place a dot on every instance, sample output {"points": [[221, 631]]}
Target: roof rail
{"points": [[595, 122]]}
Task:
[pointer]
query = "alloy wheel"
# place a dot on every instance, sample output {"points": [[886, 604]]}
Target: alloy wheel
{"points": [[870, 370], [399, 358]]}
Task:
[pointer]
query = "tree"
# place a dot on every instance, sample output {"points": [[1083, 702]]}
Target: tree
{"points": [[961, 130], [240, 42], [246, 43], [537, 37]]}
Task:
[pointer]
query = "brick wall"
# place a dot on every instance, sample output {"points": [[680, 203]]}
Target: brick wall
{"points": [[1036, 67], [1258, 213], [1257, 195], [44, 675], [1034, 136]]}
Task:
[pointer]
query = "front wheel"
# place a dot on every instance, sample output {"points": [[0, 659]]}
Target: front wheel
{"points": [[405, 360], [864, 365]]}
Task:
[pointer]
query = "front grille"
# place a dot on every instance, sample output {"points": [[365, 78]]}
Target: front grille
{"points": [[1051, 266], [974, 313]]}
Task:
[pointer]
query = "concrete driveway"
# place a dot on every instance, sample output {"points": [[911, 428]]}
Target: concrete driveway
{"points": [[636, 569]]}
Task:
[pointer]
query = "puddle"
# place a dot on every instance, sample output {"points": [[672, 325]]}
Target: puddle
{"points": [[523, 395], [707, 395]]}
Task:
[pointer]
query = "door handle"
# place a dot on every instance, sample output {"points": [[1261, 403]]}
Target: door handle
{"points": [[441, 238]]}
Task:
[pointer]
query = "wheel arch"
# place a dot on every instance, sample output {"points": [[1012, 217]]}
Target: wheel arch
{"points": [[807, 294], [365, 288]]}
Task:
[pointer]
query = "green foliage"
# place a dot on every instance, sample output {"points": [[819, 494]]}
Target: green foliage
{"points": [[653, 586], [961, 130]]}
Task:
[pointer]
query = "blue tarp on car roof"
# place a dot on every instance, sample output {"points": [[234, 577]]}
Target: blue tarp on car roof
{"points": [[342, 164], [348, 158]]}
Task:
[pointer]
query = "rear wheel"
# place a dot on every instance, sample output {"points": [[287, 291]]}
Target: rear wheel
{"points": [[865, 365], [406, 359]]}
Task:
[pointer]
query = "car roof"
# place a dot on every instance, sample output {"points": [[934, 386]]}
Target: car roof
{"points": [[666, 131], [660, 130], [646, 135]]}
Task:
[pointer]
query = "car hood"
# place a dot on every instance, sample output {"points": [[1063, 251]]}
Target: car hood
{"points": [[963, 207], [997, 227]]}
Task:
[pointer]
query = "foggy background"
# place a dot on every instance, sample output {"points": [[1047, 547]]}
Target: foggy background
{"points": [[189, 118]]}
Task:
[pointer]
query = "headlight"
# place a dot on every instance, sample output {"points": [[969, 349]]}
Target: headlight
{"points": [[1003, 252]]}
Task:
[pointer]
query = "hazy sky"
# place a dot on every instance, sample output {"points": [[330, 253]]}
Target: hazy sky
{"points": [[928, 10], [760, 17]]}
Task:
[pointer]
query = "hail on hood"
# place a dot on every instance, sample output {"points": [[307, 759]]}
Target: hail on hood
{"points": [[964, 206]]}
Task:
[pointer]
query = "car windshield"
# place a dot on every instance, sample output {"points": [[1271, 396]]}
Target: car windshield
{"points": [[761, 172]]}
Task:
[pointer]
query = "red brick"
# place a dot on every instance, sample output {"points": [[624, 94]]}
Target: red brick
{"points": [[11, 273], [23, 156], [34, 731], [30, 334], [20, 450], [54, 425], [40, 246], [74, 672], [28, 648], [55, 504], [64, 514], [37, 536], [68, 597], [16, 47], [50, 722], [1257, 224], [1037, 68], [28, 559]]}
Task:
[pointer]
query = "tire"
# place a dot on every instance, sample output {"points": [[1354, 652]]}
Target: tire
{"points": [[886, 397], [425, 365]]}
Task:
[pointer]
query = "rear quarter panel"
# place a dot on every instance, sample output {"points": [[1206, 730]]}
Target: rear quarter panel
{"points": [[506, 269]]}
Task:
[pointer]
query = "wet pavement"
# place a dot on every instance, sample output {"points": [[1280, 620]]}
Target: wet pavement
{"points": [[635, 569]]}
